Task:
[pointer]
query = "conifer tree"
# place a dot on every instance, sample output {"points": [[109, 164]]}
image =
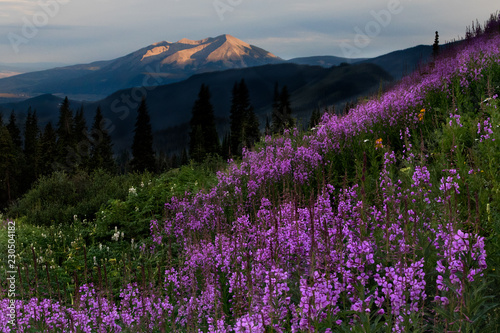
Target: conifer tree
{"points": [[315, 118], [143, 156], [80, 138], [226, 146], [435, 46], [268, 127], [101, 149], [244, 122], [31, 149], [48, 149], [251, 129], [15, 161], [236, 121], [65, 130], [14, 131], [80, 126], [204, 139], [7, 165], [184, 157], [282, 112], [174, 161]]}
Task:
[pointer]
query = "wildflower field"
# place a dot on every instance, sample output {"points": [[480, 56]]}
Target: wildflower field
{"points": [[384, 219]]}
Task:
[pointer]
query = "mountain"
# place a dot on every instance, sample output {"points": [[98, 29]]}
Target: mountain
{"points": [[11, 69], [159, 63], [324, 61], [396, 63], [170, 105], [403, 62]]}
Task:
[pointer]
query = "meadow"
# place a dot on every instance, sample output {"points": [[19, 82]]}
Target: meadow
{"points": [[383, 219]]}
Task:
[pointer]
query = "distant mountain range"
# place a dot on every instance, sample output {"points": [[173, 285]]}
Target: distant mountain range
{"points": [[397, 63], [162, 62], [165, 62], [174, 73], [170, 105]]}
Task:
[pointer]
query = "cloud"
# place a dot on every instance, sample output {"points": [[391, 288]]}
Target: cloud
{"points": [[104, 29], [16, 9]]}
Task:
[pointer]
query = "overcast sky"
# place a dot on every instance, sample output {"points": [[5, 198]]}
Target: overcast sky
{"points": [[81, 31]]}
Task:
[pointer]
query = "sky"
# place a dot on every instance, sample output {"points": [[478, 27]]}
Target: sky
{"points": [[82, 31]]}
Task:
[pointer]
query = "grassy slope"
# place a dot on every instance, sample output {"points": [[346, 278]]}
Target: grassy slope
{"points": [[351, 157]]}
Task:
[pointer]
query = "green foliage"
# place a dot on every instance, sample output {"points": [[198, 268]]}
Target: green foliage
{"points": [[54, 220], [146, 200], [58, 198]]}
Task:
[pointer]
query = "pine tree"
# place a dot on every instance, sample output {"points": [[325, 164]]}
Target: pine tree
{"points": [[281, 118], [48, 149], [286, 108], [276, 119], [204, 139], [31, 149], [142, 148], [174, 161], [236, 120], [65, 130], [101, 146], [7, 165], [252, 132], [184, 157], [315, 118], [244, 122], [81, 131], [14, 131], [14, 177], [226, 146], [268, 127], [435, 46], [80, 138]]}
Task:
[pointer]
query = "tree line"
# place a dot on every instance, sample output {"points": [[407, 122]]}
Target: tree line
{"points": [[29, 152]]}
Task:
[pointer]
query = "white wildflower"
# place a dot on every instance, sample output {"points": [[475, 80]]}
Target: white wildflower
{"points": [[132, 191]]}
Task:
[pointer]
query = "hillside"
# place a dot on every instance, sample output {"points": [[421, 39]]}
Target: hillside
{"points": [[382, 219]]}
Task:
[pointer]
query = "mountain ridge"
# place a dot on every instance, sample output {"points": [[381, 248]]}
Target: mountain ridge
{"points": [[170, 105], [172, 62]]}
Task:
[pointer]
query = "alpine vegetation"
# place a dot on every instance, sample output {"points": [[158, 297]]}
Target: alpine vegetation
{"points": [[383, 219]]}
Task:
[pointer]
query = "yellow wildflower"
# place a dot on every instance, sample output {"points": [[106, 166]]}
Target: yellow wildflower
{"points": [[378, 144], [421, 115]]}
